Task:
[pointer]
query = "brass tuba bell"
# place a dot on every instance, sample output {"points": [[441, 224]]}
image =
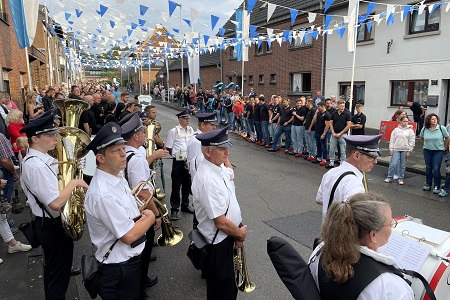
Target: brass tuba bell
{"points": [[71, 148]]}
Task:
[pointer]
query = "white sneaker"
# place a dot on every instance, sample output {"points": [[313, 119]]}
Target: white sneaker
{"points": [[19, 247], [395, 177], [1, 261]]}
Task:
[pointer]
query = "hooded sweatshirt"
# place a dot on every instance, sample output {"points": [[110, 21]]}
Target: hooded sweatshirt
{"points": [[402, 139]]}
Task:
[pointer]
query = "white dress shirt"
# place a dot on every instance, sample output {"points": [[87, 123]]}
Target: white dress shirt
{"points": [[213, 192], [194, 153], [177, 139], [110, 210]]}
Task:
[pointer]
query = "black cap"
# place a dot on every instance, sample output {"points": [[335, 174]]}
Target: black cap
{"points": [[41, 124], [217, 138], [364, 143], [109, 135], [184, 114], [132, 126], [207, 117], [143, 115]]}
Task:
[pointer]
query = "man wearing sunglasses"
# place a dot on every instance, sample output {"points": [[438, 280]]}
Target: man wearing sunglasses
{"points": [[340, 183]]}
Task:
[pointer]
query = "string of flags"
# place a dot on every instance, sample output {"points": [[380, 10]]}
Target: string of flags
{"points": [[194, 43]]}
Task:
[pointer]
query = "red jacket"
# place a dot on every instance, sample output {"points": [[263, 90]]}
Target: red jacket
{"points": [[14, 133]]}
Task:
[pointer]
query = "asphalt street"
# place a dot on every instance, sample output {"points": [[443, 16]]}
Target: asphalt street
{"points": [[276, 194]]}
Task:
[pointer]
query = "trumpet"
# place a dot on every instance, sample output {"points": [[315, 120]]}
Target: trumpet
{"points": [[242, 278]]}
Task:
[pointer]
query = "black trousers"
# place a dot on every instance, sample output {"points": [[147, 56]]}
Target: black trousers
{"points": [[58, 254], [120, 281], [145, 256], [180, 178], [220, 280]]}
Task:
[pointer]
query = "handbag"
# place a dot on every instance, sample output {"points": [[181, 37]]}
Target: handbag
{"points": [[29, 231], [89, 271]]}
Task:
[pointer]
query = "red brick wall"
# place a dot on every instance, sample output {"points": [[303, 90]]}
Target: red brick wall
{"points": [[11, 57], [281, 62]]}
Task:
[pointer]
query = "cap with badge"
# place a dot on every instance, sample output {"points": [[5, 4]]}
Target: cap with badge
{"points": [[133, 125], [367, 144], [184, 114], [207, 117], [126, 118], [109, 135], [218, 138], [143, 115], [40, 125]]}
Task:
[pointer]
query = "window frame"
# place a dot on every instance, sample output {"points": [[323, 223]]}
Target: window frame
{"points": [[301, 92], [273, 78], [250, 79], [261, 79], [3, 14], [368, 36], [415, 13], [232, 53], [410, 91]]}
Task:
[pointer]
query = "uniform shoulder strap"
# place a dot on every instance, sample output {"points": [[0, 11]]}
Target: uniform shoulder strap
{"points": [[333, 190]]}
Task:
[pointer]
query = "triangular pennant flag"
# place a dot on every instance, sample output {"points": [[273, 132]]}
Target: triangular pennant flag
{"points": [[187, 22], [294, 14], [164, 16], [78, 12], [102, 10], [172, 6], [129, 32], [70, 22], [68, 15], [340, 31], [422, 8], [270, 9], [269, 44], [315, 34], [405, 12], [369, 26], [269, 31], [328, 19], [134, 25], [311, 17], [194, 14], [235, 22], [214, 20], [390, 19], [141, 22], [287, 36], [252, 31], [250, 5], [222, 31], [205, 39], [328, 4], [176, 30], [390, 13], [279, 40], [142, 9], [370, 8], [259, 43], [432, 7]]}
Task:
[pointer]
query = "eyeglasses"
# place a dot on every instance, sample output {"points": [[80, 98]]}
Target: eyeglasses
{"points": [[373, 159], [393, 223]]}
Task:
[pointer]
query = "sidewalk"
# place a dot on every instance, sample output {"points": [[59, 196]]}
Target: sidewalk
{"points": [[416, 163]]}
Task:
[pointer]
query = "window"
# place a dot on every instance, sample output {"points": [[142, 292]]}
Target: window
{"points": [[273, 78], [230, 79], [265, 48], [364, 34], [301, 38], [359, 93], [260, 49], [415, 90], [268, 47], [233, 52], [261, 79], [250, 79], [2, 10], [424, 22], [300, 83]]}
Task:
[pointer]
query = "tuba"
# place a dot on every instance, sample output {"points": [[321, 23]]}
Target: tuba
{"points": [[71, 148], [169, 236], [242, 278], [153, 128]]}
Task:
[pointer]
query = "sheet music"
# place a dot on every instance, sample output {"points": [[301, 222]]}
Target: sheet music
{"points": [[420, 231], [408, 253]]}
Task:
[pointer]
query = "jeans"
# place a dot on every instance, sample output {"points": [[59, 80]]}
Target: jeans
{"points": [[5, 231], [397, 165], [297, 134], [259, 134], [287, 133], [419, 121], [333, 143], [271, 129], [249, 127], [277, 142], [231, 120], [322, 151], [433, 159], [9, 188], [311, 142], [265, 131], [179, 102], [201, 106]]}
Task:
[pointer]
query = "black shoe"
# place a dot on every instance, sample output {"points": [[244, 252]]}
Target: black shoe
{"points": [[329, 166], [174, 216], [151, 281], [188, 210], [11, 222], [271, 150], [74, 271], [153, 257]]}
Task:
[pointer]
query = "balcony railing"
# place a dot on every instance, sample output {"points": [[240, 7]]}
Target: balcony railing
{"points": [[35, 53]]}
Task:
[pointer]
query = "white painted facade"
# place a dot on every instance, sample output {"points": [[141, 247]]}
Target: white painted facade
{"points": [[420, 56]]}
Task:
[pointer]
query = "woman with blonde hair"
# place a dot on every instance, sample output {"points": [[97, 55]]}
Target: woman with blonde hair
{"points": [[346, 265], [33, 108], [15, 123]]}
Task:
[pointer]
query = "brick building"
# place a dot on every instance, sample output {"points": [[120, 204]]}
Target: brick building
{"points": [[289, 70], [13, 66]]}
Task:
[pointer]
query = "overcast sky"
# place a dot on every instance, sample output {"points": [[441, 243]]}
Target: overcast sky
{"points": [[124, 14]]}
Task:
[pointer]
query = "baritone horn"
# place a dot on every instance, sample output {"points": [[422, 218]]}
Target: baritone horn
{"points": [[242, 278], [69, 151], [169, 236], [152, 129]]}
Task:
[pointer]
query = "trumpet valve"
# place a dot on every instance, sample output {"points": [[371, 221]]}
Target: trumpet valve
{"points": [[160, 196], [158, 190]]}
